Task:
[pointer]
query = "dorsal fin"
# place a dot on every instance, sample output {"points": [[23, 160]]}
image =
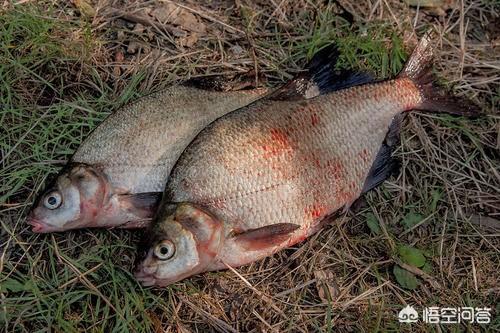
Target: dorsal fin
{"points": [[245, 81], [320, 78]]}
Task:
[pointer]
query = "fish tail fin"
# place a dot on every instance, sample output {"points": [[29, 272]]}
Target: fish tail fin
{"points": [[419, 70]]}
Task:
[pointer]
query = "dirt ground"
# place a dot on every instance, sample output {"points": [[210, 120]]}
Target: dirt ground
{"points": [[64, 66]]}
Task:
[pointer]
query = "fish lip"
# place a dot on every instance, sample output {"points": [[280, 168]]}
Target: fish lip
{"points": [[147, 280], [39, 226]]}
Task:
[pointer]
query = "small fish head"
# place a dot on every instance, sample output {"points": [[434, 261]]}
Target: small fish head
{"points": [[70, 202], [183, 241]]}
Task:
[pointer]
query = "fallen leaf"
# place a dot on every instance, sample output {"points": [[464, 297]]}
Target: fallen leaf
{"points": [[433, 7], [189, 40], [138, 29], [411, 255], [133, 46], [411, 219], [84, 7], [372, 223], [173, 14], [405, 279], [119, 58], [485, 222], [328, 289]]}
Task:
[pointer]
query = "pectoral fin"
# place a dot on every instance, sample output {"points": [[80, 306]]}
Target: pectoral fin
{"points": [[265, 237], [142, 205]]}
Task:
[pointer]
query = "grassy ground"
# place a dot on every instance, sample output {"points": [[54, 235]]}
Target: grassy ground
{"points": [[63, 68]]}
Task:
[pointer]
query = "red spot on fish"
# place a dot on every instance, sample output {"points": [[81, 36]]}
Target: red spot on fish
{"points": [[335, 168], [280, 136], [314, 119], [206, 249], [279, 142], [315, 211], [365, 155], [317, 162]]}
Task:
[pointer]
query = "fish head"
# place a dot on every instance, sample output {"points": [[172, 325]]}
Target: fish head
{"points": [[71, 201], [183, 241]]}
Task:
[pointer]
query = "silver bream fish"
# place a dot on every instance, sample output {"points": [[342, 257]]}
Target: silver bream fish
{"points": [[265, 177]]}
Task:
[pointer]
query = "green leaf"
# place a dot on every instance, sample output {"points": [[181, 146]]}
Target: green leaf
{"points": [[12, 285], [372, 222], [411, 255], [427, 267], [15, 286], [405, 279], [411, 219]]}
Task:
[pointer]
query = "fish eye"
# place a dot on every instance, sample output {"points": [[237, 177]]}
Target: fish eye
{"points": [[52, 200], [164, 250]]}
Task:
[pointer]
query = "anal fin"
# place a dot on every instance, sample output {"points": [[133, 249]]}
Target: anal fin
{"points": [[384, 164], [265, 237]]}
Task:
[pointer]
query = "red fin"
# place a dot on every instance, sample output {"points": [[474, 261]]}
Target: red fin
{"points": [[268, 236], [418, 69]]}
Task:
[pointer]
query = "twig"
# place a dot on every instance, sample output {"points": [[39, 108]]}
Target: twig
{"points": [[137, 18]]}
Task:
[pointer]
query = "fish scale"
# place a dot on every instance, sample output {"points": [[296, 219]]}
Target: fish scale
{"points": [[125, 150]]}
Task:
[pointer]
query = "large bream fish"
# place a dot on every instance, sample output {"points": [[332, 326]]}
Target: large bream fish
{"points": [[265, 177], [117, 176]]}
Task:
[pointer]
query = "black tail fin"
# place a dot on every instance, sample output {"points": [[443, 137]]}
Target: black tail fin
{"points": [[320, 78], [418, 69]]}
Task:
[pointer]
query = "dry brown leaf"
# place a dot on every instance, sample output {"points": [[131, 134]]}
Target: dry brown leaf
{"points": [[173, 14], [433, 7], [132, 47], [189, 40], [84, 7], [326, 285], [485, 222], [119, 58], [181, 328]]}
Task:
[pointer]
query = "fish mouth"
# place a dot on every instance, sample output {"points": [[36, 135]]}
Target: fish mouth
{"points": [[40, 227], [147, 280]]}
